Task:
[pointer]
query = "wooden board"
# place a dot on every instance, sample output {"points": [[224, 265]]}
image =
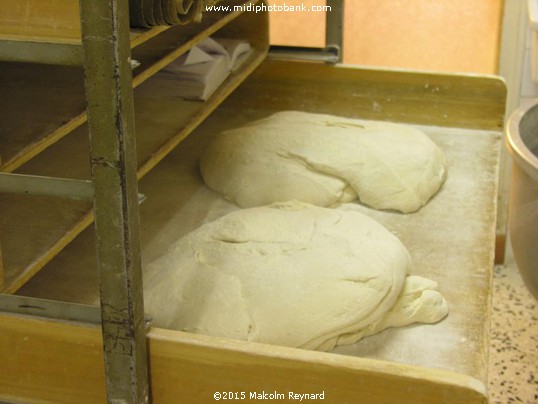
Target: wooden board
{"points": [[43, 21], [441, 99], [47, 361]]}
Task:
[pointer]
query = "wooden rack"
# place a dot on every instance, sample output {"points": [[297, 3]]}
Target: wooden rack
{"points": [[58, 110], [36, 228], [47, 134]]}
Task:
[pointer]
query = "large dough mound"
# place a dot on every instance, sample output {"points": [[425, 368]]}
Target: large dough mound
{"points": [[324, 160], [289, 274]]}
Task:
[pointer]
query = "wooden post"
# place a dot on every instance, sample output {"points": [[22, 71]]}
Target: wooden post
{"points": [[105, 33]]}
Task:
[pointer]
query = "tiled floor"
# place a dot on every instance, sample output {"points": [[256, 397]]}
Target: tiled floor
{"points": [[513, 362]]}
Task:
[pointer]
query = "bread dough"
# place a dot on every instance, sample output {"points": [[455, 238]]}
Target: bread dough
{"points": [[324, 160], [289, 274]]}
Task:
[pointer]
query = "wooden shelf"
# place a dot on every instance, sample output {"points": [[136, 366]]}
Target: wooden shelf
{"points": [[40, 21], [45, 103], [46, 135], [49, 31], [34, 228]]}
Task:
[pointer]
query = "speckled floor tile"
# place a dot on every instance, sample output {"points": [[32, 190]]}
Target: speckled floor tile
{"points": [[513, 362]]}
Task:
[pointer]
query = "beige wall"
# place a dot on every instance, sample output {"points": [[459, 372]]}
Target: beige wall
{"points": [[297, 28], [445, 35]]}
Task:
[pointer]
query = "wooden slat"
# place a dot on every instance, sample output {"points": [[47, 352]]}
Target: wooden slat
{"points": [[34, 355], [439, 99], [62, 363], [55, 21], [195, 367]]}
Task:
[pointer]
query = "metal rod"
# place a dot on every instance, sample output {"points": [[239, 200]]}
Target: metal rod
{"points": [[105, 36], [334, 28], [33, 306], [49, 186], [50, 309]]}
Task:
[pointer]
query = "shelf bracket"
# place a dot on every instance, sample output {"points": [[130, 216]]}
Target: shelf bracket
{"points": [[109, 95]]}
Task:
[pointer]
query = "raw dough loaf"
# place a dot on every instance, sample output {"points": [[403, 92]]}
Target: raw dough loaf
{"points": [[289, 274], [324, 160]]}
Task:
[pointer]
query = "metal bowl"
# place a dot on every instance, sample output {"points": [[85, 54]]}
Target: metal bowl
{"points": [[522, 143]]}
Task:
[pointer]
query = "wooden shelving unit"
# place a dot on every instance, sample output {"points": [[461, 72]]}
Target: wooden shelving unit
{"points": [[47, 134], [29, 148], [94, 46], [39, 123]]}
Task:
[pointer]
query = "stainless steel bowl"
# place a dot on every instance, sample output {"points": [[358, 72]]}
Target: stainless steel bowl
{"points": [[522, 143]]}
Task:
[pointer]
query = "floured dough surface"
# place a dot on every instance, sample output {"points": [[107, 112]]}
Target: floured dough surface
{"points": [[289, 274], [324, 160]]}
